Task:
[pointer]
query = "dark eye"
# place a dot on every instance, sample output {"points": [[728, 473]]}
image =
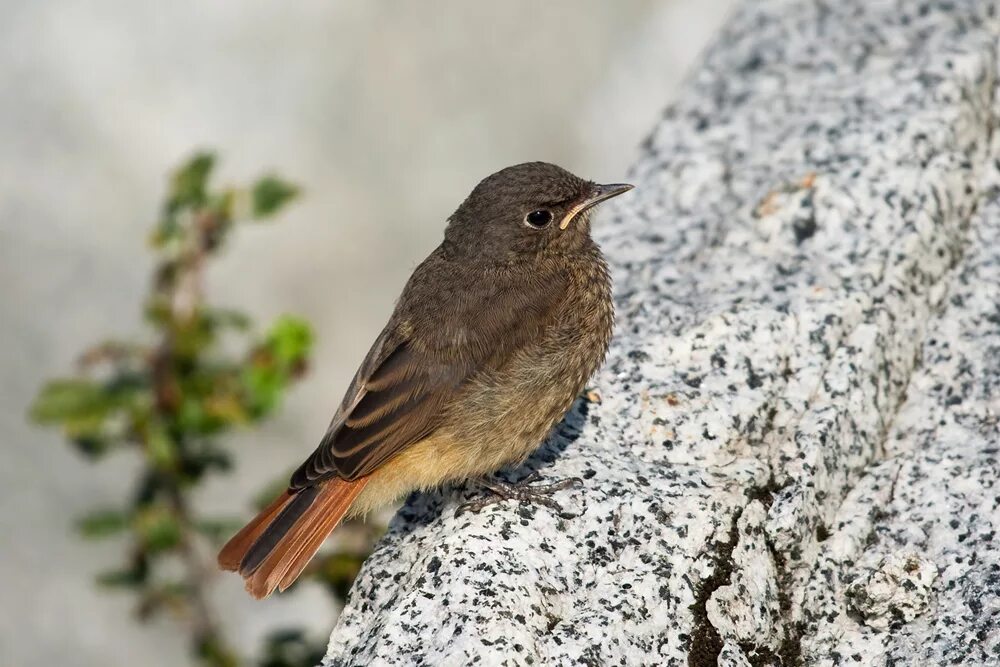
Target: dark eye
{"points": [[538, 219]]}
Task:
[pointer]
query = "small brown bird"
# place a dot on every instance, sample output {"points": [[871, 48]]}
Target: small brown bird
{"points": [[494, 336]]}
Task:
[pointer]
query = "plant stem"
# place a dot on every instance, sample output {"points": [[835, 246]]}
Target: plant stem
{"points": [[186, 301], [205, 627]]}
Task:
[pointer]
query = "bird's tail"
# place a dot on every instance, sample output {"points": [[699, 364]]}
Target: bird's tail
{"points": [[272, 550]]}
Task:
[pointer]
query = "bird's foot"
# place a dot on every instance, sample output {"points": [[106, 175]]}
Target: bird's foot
{"points": [[523, 491]]}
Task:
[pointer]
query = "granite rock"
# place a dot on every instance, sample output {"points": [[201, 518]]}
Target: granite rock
{"points": [[802, 389], [931, 508], [893, 592]]}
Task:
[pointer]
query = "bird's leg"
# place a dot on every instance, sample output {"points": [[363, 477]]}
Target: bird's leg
{"points": [[524, 491]]}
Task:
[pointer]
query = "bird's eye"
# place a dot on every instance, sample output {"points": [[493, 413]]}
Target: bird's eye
{"points": [[538, 219]]}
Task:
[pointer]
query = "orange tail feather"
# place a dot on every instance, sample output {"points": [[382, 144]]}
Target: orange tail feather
{"points": [[234, 550], [274, 548]]}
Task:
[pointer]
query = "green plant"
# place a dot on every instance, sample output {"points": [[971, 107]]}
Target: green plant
{"points": [[171, 398]]}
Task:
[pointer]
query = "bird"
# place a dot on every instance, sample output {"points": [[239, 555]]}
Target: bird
{"points": [[494, 336]]}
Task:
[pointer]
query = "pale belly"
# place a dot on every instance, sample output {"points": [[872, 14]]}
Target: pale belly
{"points": [[497, 421]]}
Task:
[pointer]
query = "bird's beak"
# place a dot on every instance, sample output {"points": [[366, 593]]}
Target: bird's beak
{"points": [[599, 194]]}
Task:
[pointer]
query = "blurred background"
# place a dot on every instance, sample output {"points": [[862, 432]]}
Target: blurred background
{"points": [[385, 113]]}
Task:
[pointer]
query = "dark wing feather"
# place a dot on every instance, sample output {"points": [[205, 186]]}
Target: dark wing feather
{"points": [[392, 415], [400, 392], [397, 402]]}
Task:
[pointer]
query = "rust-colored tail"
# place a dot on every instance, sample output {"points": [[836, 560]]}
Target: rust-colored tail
{"points": [[272, 550]]}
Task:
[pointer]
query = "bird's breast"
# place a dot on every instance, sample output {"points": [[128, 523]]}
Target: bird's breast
{"points": [[504, 412]]}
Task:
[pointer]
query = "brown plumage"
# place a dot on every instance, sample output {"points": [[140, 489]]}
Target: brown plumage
{"points": [[493, 337]]}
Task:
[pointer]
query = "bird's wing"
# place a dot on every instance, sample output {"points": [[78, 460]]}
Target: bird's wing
{"points": [[399, 393], [396, 403]]}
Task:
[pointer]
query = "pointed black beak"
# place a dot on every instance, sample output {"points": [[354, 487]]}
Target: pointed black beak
{"points": [[600, 193]]}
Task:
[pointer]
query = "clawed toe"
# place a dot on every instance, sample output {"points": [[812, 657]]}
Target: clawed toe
{"points": [[523, 491]]}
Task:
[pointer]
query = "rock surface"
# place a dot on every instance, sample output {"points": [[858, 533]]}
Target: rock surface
{"points": [[801, 402]]}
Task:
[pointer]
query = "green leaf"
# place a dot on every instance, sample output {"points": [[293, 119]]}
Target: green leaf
{"points": [[270, 194], [125, 386], [102, 523], [82, 406], [213, 400], [123, 578], [160, 447], [263, 386], [187, 188], [62, 400], [191, 416], [281, 356], [192, 337], [168, 230], [227, 318], [201, 457], [225, 409], [157, 311], [290, 340], [158, 528], [87, 433], [221, 204]]}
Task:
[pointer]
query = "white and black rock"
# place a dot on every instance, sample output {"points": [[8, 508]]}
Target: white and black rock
{"points": [[801, 403]]}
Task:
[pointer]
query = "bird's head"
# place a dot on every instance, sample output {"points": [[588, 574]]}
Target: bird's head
{"points": [[530, 208]]}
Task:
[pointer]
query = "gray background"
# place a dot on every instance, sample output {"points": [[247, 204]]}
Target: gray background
{"points": [[387, 113]]}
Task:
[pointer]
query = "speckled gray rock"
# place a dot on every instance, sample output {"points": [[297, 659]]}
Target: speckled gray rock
{"points": [[799, 390], [932, 507], [893, 592]]}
